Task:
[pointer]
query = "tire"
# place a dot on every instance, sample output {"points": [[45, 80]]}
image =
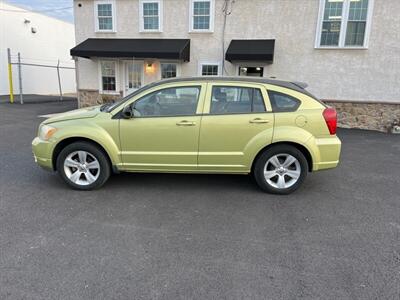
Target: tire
{"points": [[280, 169], [89, 175]]}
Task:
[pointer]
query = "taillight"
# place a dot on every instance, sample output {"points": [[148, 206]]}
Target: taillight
{"points": [[330, 117]]}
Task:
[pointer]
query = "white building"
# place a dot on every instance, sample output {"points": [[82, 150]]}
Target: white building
{"points": [[40, 40], [348, 51]]}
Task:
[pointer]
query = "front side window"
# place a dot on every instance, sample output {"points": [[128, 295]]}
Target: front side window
{"points": [[202, 15], [344, 23], [151, 15], [231, 100], [177, 101], [209, 70], [168, 70], [108, 82], [283, 103], [104, 12]]}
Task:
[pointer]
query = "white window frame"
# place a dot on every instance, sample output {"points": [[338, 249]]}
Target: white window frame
{"points": [[113, 15], [116, 92], [343, 26], [213, 63], [160, 15], [212, 15], [178, 67]]}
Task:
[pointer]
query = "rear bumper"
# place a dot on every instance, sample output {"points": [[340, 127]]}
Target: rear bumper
{"points": [[42, 153], [326, 152]]}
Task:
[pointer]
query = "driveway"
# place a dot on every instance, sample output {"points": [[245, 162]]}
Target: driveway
{"points": [[166, 236]]}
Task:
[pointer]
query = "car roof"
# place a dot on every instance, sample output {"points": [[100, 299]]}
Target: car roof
{"points": [[297, 86]]}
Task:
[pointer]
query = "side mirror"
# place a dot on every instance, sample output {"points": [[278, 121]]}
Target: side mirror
{"points": [[127, 112]]}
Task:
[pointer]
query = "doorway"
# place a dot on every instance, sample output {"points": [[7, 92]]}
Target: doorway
{"points": [[251, 71], [134, 76]]}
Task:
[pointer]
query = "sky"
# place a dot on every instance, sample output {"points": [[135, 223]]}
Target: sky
{"points": [[48, 7]]}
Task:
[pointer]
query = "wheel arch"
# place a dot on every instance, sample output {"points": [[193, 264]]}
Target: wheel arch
{"points": [[67, 141], [298, 146]]}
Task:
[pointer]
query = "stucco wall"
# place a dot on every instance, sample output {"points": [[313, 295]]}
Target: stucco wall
{"points": [[356, 75], [52, 41]]}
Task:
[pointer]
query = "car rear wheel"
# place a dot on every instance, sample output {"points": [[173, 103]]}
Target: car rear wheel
{"points": [[281, 169], [83, 166]]}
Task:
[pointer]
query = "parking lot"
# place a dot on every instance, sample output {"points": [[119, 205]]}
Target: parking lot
{"points": [[167, 236]]}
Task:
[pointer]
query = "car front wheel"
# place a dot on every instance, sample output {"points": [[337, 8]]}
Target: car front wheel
{"points": [[281, 169], [83, 166]]}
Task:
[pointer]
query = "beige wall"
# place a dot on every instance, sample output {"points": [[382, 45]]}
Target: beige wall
{"points": [[371, 74]]}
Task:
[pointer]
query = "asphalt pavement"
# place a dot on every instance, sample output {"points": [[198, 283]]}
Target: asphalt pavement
{"points": [[167, 236]]}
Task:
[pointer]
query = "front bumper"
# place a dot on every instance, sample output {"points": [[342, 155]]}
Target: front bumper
{"points": [[42, 151]]}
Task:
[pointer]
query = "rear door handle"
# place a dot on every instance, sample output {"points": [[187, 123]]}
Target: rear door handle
{"points": [[259, 121], [186, 123]]}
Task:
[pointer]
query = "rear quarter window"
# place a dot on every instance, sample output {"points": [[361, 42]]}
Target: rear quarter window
{"points": [[282, 102]]}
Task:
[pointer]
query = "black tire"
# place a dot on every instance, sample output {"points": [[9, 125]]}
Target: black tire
{"points": [[260, 165], [93, 150]]}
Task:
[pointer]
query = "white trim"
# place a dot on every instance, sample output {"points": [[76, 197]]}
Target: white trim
{"points": [[113, 15], [178, 67], [100, 75], [343, 27], [212, 63], [212, 16], [160, 16]]}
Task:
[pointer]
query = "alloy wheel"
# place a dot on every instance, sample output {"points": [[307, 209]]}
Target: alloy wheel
{"points": [[282, 171], [81, 167]]}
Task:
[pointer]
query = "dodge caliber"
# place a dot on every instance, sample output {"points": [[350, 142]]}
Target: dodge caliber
{"points": [[274, 130]]}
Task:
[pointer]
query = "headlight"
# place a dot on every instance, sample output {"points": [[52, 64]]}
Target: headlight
{"points": [[46, 132]]}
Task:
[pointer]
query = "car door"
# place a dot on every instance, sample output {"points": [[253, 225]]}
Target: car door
{"points": [[237, 122], [164, 132]]}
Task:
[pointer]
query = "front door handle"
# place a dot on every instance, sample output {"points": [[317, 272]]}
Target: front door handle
{"points": [[186, 123], [259, 121]]}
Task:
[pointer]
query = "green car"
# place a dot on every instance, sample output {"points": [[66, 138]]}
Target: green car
{"points": [[274, 130]]}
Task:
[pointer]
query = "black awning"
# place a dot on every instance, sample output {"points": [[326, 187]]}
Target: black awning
{"points": [[251, 50], [137, 48]]}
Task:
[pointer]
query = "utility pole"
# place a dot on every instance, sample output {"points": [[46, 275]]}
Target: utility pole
{"points": [[21, 99], [10, 78]]}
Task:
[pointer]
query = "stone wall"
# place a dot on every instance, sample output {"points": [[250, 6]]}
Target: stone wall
{"points": [[366, 115], [93, 97]]}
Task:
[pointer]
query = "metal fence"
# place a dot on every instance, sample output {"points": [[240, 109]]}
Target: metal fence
{"points": [[19, 63]]}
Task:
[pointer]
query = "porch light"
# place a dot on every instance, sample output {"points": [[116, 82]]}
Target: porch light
{"points": [[149, 68]]}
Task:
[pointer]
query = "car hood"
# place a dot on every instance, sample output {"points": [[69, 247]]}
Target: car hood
{"points": [[82, 113]]}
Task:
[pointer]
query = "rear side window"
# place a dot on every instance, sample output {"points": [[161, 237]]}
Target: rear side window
{"points": [[236, 100], [283, 103]]}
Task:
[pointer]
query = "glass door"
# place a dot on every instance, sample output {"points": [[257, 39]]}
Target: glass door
{"points": [[133, 76]]}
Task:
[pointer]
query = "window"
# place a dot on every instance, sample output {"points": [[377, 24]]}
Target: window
{"points": [[209, 69], [151, 15], [202, 15], [231, 100], [108, 80], [168, 70], [344, 23], [179, 101], [282, 102], [104, 12]]}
